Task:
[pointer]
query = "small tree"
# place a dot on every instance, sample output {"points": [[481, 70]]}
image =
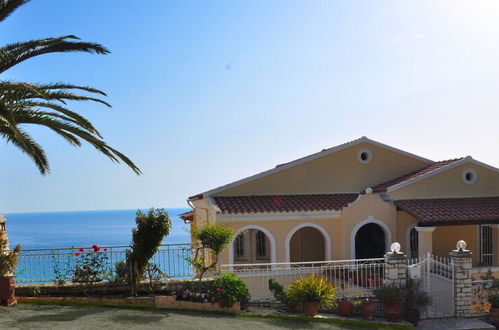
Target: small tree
{"points": [[146, 237], [212, 238], [8, 258]]}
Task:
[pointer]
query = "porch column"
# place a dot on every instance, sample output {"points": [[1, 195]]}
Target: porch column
{"points": [[425, 240], [462, 282]]}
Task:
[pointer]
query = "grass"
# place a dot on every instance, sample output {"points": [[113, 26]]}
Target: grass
{"points": [[353, 324], [274, 320]]}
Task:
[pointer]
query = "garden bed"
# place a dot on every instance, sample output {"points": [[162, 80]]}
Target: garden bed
{"points": [[103, 289], [160, 302]]}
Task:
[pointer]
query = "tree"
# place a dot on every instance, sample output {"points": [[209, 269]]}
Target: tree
{"points": [[146, 238], [212, 238], [23, 103]]}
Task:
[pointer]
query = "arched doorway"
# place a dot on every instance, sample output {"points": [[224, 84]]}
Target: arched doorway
{"points": [[307, 244], [370, 242], [251, 246]]}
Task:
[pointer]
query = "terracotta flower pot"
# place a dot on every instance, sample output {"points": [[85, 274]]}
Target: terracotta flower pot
{"points": [[368, 309], [494, 315], [413, 316], [392, 311], [311, 308], [7, 291], [345, 308]]}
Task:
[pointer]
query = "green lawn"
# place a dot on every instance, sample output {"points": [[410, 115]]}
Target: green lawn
{"points": [[53, 317]]}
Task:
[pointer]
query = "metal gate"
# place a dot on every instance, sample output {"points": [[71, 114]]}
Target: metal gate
{"points": [[436, 275]]}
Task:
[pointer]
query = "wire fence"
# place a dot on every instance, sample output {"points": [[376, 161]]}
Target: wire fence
{"points": [[39, 266]]}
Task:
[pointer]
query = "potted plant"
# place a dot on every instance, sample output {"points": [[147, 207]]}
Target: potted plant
{"points": [[392, 297], [311, 292], [415, 301], [368, 309], [345, 307], [8, 263]]}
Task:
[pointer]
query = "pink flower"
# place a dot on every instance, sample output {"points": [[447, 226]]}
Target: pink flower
{"points": [[217, 289], [81, 250], [77, 254], [96, 248], [105, 250]]}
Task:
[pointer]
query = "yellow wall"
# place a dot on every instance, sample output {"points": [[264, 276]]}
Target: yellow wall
{"points": [[338, 172], [449, 184], [365, 207], [281, 228], [445, 238], [340, 230], [404, 221]]}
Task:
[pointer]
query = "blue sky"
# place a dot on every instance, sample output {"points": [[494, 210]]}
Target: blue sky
{"points": [[205, 93]]}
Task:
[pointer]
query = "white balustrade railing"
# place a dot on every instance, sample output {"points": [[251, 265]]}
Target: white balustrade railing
{"points": [[37, 266], [349, 277]]}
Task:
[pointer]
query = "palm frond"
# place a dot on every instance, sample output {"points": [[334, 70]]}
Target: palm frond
{"points": [[7, 7], [16, 53], [70, 132]]}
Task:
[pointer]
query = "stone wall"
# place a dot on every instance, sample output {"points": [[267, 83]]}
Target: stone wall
{"points": [[395, 269], [462, 283]]}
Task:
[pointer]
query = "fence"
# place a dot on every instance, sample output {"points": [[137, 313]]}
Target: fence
{"points": [[436, 277], [37, 266], [349, 277]]}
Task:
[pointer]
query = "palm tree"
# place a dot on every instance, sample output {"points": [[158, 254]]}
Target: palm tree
{"points": [[23, 103]]}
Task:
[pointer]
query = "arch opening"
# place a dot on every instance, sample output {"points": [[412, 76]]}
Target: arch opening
{"points": [[251, 246], [370, 242], [307, 244]]}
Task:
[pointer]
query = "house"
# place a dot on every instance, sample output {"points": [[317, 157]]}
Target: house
{"points": [[351, 202]]}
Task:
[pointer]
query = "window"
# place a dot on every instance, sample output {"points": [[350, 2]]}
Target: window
{"points": [[251, 246], [364, 156], [413, 243], [485, 241], [239, 247], [261, 246], [469, 176]]}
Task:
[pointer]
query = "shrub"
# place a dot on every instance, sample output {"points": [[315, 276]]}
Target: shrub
{"points": [[311, 288], [494, 301], [416, 298], [146, 238], [89, 267], [212, 237], [8, 258], [390, 293], [229, 289]]}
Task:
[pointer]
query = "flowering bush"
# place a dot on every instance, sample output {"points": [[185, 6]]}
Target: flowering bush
{"points": [[89, 267], [229, 289], [202, 296]]}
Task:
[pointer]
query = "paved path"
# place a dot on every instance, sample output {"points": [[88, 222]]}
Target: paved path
{"points": [[103, 318], [454, 324]]}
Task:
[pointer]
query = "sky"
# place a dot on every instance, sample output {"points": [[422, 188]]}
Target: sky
{"points": [[208, 92]]}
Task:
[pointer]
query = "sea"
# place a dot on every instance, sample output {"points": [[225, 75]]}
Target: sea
{"points": [[84, 228]]}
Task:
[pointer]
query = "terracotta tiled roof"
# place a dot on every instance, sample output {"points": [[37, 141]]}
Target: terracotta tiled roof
{"points": [[430, 168], [448, 211], [283, 203], [187, 216]]}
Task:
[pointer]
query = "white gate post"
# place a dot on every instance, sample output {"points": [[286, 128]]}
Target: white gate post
{"points": [[461, 261], [395, 268]]}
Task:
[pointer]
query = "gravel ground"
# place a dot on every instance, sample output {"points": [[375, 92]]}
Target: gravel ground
{"points": [[82, 317]]}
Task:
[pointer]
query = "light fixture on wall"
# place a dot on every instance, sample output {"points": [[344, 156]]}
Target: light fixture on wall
{"points": [[461, 245], [395, 247]]}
